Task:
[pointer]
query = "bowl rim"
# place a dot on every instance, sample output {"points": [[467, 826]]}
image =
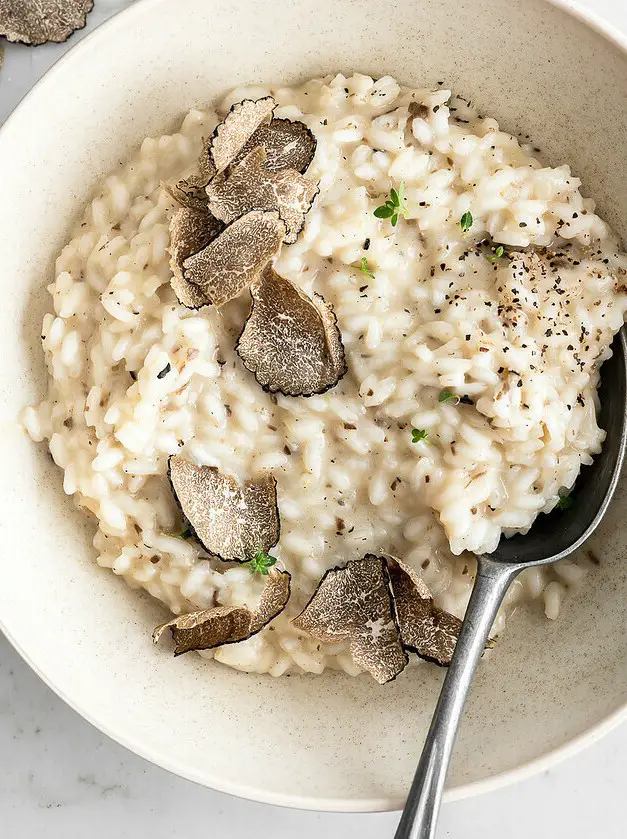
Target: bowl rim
{"points": [[340, 805]]}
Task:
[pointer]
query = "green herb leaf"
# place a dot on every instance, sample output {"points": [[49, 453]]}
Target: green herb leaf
{"points": [[185, 533], [466, 221], [565, 500], [419, 435], [448, 396], [261, 563], [394, 206], [365, 269], [498, 253]]}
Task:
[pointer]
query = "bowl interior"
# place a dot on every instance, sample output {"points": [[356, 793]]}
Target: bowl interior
{"points": [[329, 741]]}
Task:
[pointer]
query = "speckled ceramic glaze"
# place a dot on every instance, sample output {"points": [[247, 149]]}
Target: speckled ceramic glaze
{"points": [[326, 742]]}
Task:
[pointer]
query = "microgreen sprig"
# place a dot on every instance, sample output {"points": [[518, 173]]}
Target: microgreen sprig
{"points": [[419, 435], [365, 268], [498, 253], [185, 533], [465, 221], [395, 205], [448, 396], [261, 563]]}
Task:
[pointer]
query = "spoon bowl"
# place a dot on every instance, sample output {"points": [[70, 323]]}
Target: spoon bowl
{"points": [[560, 532], [552, 537]]}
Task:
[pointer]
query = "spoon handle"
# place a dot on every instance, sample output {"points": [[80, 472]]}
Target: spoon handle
{"points": [[423, 802]]}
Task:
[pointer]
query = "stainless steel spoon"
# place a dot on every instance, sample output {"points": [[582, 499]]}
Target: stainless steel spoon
{"points": [[552, 537]]}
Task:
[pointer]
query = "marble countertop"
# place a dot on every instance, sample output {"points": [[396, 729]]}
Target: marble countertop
{"points": [[62, 777]]}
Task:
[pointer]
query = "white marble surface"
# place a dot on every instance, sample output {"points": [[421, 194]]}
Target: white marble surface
{"points": [[62, 777]]}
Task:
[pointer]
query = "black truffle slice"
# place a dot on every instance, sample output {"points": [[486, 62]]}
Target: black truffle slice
{"points": [[190, 232], [249, 184], [206, 629], [231, 262], [290, 341], [190, 192], [232, 521], [274, 597], [289, 145], [36, 22], [426, 630], [354, 604], [206, 168], [236, 129], [222, 625]]}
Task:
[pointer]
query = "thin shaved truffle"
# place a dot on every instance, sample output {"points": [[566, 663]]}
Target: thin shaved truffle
{"points": [[273, 600], [236, 257], [288, 145], [190, 191], [211, 628], [207, 629], [250, 184], [232, 521], [190, 232], [290, 341], [426, 630], [37, 22], [354, 604], [206, 168], [236, 129]]}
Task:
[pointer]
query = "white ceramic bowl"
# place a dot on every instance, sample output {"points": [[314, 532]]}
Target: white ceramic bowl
{"points": [[325, 742]]}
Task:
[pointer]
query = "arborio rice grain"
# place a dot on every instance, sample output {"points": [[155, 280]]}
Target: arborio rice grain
{"points": [[520, 337]]}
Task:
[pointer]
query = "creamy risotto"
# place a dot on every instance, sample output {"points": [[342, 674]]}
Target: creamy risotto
{"points": [[473, 330]]}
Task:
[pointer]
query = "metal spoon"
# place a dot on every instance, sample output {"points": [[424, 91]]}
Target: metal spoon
{"points": [[552, 537]]}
